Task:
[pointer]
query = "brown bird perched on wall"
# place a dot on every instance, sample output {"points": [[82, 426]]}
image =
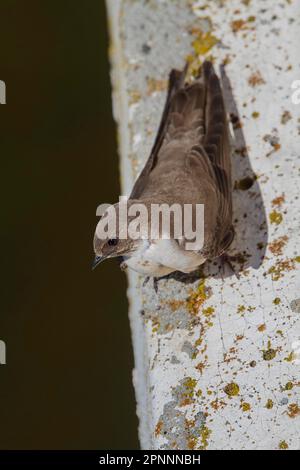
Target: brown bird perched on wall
{"points": [[190, 163]]}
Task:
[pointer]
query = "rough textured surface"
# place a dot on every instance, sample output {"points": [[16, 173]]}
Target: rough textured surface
{"points": [[216, 357]]}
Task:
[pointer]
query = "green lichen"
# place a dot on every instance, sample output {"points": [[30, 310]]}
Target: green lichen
{"points": [[269, 354], [290, 357]]}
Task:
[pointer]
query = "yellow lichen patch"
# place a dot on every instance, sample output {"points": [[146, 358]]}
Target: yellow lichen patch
{"points": [[174, 304], [232, 389], [283, 445], [208, 311], [197, 298], [186, 394], [277, 271], [204, 436], [256, 79], [297, 259], [277, 245], [190, 383], [194, 64], [155, 324], [276, 301], [191, 445], [245, 406], [269, 405], [154, 85], [158, 428], [204, 42], [275, 217], [293, 410], [134, 96], [288, 386], [241, 309], [238, 25], [255, 114], [216, 404], [278, 201]]}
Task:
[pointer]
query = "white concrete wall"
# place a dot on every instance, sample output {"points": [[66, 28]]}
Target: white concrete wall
{"points": [[216, 357]]}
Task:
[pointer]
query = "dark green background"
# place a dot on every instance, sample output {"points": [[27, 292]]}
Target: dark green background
{"points": [[67, 382]]}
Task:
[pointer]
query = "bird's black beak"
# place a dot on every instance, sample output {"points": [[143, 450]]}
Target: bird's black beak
{"points": [[97, 260]]}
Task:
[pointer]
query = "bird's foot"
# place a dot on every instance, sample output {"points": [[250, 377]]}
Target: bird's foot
{"points": [[155, 284], [123, 266], [227, 259]]}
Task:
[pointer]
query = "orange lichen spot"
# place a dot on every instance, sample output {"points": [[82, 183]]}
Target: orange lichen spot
{"points": [[158, 428], [277, 271], [256, 79], [278, 201], [186, 401], [261, 327], [200, 367], [293, 410], [191, 445], [238, 25], [174, 304], [216, 404], [277, 245], [154, 85]]}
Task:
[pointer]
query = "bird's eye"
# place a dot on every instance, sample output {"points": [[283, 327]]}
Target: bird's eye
{"points": [[112, 241]]}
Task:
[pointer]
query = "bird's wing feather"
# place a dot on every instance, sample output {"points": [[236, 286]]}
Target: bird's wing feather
{"points": [[176, 81], [217, 138]]}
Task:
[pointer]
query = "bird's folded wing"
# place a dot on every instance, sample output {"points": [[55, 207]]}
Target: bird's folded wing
{"points": [[176, 81]]}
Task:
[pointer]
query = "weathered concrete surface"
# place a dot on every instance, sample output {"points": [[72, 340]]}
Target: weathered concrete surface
{"points": [[216, 357]]}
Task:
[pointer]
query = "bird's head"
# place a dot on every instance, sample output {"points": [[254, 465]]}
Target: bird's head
{"points": [[111, 238]]}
